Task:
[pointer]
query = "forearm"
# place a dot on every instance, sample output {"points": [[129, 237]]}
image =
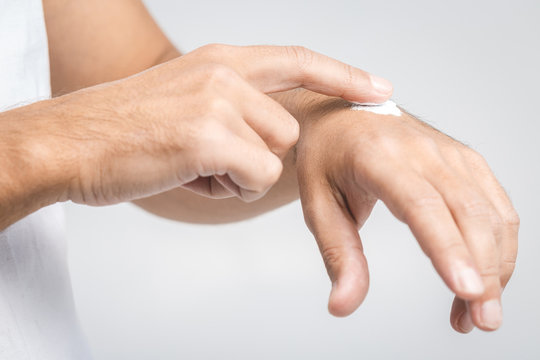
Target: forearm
{"points": [[41, 149], [35, 166], [84, 53], [92, 42]]}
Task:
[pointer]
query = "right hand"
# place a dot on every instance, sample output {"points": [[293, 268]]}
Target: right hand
{"points": [[202, 121]]}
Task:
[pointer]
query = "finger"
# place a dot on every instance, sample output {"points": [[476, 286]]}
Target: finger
{"points": [[279, 68], [275, 125], [339, 243], [236, 99], [509, 218], [226, 183], [256, 148], [414, 201], [288, 67], [208, 186], [460, 316], [473, 214], [251, 167]]}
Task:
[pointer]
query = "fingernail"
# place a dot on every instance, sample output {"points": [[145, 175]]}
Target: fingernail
{"points": [[382, 86], [465, 322], [491, 314], [469, 281]]}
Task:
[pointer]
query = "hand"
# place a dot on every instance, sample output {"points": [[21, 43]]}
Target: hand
{"points": [[443, 190], [202, 121]]}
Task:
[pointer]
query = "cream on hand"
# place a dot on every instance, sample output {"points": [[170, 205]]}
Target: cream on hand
{"points": [[387, 108]]}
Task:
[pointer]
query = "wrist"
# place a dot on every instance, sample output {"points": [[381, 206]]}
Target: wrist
{"points": [[35, 172]]}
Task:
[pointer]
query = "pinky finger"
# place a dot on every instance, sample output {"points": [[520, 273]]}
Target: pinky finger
{"points": [[210, 187]]}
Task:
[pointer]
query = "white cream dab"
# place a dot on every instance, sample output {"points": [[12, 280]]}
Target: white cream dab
{"points": [[386, 108]]}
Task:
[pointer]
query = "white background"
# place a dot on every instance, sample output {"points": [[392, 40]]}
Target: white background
{"points": [[148, 288]]}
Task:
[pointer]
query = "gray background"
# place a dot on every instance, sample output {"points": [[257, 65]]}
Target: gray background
{"points": [[148, 288]]}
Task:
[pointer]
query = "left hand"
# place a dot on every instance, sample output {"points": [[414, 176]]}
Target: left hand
{"points": [[442, 189]]}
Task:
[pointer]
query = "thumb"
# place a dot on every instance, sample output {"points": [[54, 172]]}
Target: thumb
{"points": [[339, 243]]}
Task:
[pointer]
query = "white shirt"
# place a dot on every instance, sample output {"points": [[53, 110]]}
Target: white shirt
{"points": [[37, 312]]}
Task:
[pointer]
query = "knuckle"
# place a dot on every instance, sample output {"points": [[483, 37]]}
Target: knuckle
{"points": [[288, 138], [490, 270], [353, 77], [295, 133], [476, 208], [427, 144], [293, 130], [511, 218], [420, 205], [270, 171], [350, 80], [449, 249], [302, 56], [273, 170], [332, 257], [212, 51], [453, 153], [428, 155], [217, 75], [508, 266], [453, 247], [497, 225], [496, 220], [217, 108], [475, 158]]}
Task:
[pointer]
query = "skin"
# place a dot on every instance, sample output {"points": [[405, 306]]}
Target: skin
{"points": [[202, 121], [445, 191], [158, 138]]}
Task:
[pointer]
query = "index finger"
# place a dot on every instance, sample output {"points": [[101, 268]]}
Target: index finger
{"points": [[280, 68]]}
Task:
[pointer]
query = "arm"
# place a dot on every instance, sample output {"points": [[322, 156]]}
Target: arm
{"points": [[352, 183], [202, 121], [92, 42], [97, 41]]}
